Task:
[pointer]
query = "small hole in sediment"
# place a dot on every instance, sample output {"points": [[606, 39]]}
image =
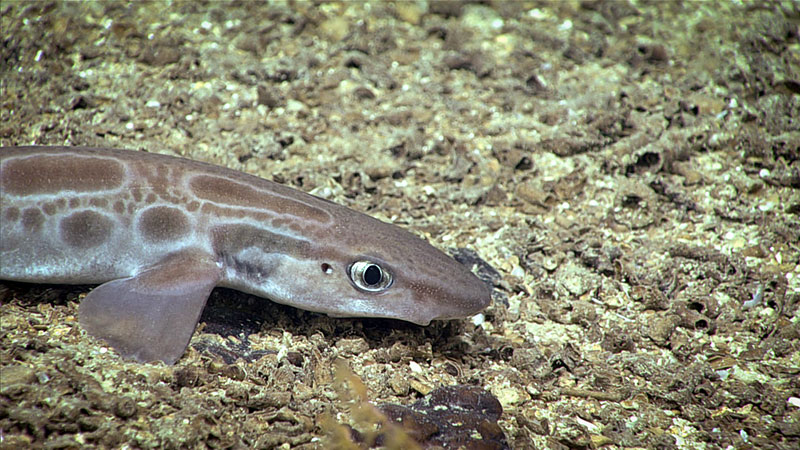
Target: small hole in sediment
{"points": [[326, 268]]}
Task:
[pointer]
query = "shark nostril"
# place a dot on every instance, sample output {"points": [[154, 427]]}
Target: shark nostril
{"points": [[326, 268]]}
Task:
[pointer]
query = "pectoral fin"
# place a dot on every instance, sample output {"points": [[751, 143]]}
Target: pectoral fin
{"points": [[152, 315]]}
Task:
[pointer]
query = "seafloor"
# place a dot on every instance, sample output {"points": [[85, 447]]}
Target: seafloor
{"points": [[630, 169]]}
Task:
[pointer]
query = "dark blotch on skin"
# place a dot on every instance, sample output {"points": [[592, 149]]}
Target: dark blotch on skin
{"points": [[49, 208], [51, 174], [162, 223], [12, 214], [234, 238], [85, 229], [99, 202], [226, 192], [32, 220]]}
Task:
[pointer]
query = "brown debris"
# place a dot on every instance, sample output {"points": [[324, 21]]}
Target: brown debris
{"points": [[449, 417]]}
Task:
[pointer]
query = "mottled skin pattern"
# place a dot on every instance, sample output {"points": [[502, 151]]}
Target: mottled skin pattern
{"points": [[84, 215]]}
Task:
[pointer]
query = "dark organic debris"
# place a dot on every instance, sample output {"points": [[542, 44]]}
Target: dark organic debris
{"points": [[452, 417]]}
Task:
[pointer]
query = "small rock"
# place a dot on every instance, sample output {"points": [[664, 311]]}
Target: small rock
{"points": [[352, 346], [661, 328], [452, 417]]}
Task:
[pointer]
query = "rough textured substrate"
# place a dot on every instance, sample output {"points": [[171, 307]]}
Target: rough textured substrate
{"points": [[630, 169]]}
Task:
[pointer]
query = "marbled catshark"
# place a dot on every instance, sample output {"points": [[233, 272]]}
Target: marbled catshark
{"points": [[160, 232]]}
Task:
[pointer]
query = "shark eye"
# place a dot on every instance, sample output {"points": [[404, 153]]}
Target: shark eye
{"points": [[369, 276]]}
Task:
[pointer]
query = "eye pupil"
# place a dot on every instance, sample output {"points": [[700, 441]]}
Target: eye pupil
{"points": [[372, 275], [369, 276]]}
